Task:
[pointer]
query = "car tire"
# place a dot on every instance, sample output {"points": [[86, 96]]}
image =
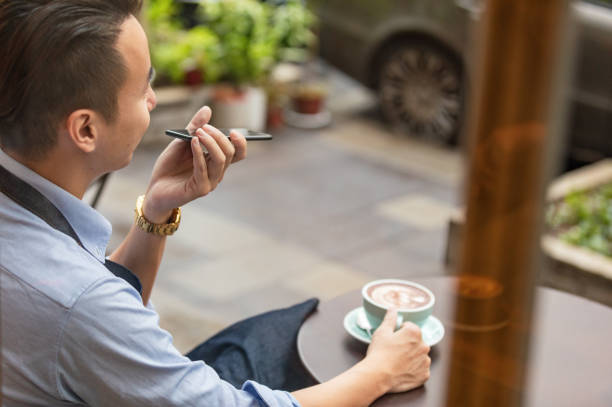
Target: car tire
{"points": [[421, 90]]}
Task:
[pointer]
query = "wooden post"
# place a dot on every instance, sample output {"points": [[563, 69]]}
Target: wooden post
{"points": [[513, 132]]}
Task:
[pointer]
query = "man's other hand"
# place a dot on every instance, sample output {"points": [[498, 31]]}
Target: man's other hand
{"points": [[183, 172], [401, 356]]}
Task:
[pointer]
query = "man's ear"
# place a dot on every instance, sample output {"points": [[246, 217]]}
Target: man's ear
{"points": [[84, 127]]}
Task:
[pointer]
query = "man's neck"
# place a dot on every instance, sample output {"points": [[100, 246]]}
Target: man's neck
{"points": [[65, 172]]}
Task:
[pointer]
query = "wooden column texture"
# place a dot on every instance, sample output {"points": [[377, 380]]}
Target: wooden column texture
{"points": [[512, 129]]}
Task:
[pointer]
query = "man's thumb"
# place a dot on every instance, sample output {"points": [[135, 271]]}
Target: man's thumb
{"points": [[390, 319]]}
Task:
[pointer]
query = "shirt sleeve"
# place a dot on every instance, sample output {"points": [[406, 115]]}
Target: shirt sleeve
{"points": [[113, 352]]}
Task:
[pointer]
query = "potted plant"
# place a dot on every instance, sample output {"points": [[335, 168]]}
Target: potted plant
{"points": [[247, 54], [584, 218], [292, 25], [577, 243], [180, 56], [230, 44]]}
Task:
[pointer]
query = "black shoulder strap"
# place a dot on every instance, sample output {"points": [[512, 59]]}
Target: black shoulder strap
{"points": [[31, 199]]}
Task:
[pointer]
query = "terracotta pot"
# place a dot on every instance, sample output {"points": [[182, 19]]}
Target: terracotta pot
{"points": [[275, 117], [307, 105], [194, 77]]}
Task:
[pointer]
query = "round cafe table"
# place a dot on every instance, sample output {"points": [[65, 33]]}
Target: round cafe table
{"points": [[570, 362]]}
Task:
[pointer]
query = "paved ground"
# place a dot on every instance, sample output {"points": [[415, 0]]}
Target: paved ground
{"points": [[311, 213]]}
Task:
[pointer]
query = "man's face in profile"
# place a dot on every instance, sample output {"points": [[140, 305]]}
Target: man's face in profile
{"points": [[135, 99]]}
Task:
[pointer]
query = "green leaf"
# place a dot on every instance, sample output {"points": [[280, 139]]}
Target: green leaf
{"points": [[238, 41], [584, 218]]}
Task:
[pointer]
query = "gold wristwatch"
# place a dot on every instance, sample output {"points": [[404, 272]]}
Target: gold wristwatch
{"points": [[165, 229]]}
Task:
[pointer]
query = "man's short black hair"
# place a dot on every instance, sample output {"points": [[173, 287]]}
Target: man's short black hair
{"points": [[57, 56]]}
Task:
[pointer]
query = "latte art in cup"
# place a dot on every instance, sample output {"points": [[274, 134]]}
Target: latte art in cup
{"points": [[414, 302], [398, 295]]}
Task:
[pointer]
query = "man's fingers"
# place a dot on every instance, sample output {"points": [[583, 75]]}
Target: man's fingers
{"points": [[199, 119], [200, 170], [240, 144], [411, 326], [216, 157], [412, 331], [226, 146]]}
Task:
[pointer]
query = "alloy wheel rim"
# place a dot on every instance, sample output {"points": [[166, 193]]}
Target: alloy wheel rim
{"points": [[421, 90]]}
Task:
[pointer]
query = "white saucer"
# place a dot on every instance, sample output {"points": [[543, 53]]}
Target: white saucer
{"points": [[433, 330]]}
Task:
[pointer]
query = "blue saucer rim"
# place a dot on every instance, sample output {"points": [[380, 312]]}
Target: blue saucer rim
{"points": [[361, 336]]}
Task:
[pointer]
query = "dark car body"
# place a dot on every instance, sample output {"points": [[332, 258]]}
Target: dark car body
{"points": [[357, 36]]}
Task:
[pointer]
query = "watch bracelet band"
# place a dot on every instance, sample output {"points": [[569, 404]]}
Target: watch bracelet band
{"points": [[165, 229]]}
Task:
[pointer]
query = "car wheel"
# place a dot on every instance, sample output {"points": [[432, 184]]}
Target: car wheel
{"points": [[420, 88]]}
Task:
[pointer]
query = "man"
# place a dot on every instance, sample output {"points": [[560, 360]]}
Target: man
{"points": [[78, 329]]}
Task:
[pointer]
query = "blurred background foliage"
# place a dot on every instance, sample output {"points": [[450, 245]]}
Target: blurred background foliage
{"points": [[235, 41], [584, 218]]}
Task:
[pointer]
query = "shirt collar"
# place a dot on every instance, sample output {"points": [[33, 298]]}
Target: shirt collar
{"points": [[91, 227]]}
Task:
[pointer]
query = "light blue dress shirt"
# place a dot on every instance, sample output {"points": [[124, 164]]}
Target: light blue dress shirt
{"points": [[74, 334]]}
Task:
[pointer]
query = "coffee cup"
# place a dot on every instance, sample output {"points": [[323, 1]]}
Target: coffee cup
{"points": [[413, 301]]}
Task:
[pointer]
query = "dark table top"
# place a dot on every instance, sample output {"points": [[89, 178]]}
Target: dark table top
{"points": [[571, 349]]}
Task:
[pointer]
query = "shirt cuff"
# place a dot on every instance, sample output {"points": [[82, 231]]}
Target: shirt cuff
{"points": [[268, 397]]}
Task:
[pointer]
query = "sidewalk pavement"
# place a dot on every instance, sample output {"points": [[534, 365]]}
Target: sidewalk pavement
{"points": [[308, 214]]}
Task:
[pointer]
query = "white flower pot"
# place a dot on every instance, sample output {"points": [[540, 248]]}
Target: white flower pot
{"points": [[244, 108]]}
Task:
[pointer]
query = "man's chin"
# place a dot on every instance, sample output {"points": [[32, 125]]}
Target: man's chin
{"points": [[128, 161], [124, 163]]}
